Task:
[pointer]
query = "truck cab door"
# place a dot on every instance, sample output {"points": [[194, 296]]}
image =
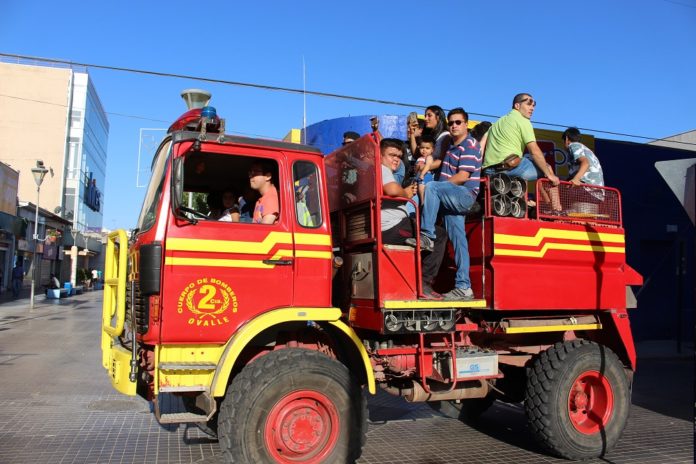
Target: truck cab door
{"points": [[313, 252], [218, 274]]}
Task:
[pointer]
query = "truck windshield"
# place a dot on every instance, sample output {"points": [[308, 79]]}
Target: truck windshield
{"points": [[154, 189]]}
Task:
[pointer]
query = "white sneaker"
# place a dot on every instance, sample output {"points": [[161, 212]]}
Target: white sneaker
{"points": [[459, 294]]}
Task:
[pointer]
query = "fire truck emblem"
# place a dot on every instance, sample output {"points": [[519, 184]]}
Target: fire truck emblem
{"points": [[208, 299]]}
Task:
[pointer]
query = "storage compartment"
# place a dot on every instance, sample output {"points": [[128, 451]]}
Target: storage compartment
{"points": [[362, 278]]}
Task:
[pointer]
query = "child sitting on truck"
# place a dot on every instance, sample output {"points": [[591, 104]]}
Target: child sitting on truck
{"points": [[230, 212], [424, 164]]}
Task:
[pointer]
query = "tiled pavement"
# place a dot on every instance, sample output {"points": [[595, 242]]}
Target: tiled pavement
{"points": [[56, 406]]}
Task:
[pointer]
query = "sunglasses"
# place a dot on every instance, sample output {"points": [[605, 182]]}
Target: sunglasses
{"points": [[457, 122], [255, 172], [529, 100]]}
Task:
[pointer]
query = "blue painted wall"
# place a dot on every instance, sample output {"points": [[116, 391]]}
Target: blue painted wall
{"points": [[666, 300], [328, 135]]}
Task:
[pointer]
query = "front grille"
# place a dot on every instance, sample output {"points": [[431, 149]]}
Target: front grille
{"points": [[142, 307]]}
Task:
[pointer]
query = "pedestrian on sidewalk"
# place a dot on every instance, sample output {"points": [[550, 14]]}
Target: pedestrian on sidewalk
{"points": [[17, 278]]}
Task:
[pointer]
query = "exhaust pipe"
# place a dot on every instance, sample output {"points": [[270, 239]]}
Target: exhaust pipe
{"points": [[417, 394]]}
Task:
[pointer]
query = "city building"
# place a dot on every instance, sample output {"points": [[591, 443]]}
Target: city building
{"points": [[10, 225], [683, 141], [52, 116]]}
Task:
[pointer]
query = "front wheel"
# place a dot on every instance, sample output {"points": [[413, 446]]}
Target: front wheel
{"points": [[293, 406], [577, 399]]}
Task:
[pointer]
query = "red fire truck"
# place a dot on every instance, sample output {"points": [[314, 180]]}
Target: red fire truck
{"points": [[268, 335]]}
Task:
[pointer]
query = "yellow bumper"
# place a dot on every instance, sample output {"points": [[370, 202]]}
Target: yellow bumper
{"points": [[119, 369]]}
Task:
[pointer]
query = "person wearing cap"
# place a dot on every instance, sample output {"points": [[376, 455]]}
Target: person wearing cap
{"points": [[350, 137], [509, 136]]}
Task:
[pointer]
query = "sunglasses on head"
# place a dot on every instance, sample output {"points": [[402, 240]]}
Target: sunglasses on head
{"points": [[457, 122]]}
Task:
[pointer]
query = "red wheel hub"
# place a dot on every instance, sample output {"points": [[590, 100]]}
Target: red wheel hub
{"points": [[302, 427], [590, 402]]}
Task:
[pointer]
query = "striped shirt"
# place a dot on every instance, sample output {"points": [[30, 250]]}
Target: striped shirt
{"points": [[464, 157]]}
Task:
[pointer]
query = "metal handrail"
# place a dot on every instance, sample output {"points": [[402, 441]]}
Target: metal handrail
{"points": [[115, 273]]}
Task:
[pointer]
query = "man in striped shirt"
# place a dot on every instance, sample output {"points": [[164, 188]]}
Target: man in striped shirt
{"points": [[453, 196]]}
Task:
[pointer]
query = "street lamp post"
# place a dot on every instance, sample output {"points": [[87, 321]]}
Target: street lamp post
{"points": [[39, 172], [73, 257]]}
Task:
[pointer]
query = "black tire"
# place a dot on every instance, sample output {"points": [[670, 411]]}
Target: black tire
{"points": [[283, 392], [577, 399], [468, 411]]}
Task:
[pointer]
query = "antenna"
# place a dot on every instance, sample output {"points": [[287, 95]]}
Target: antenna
{"points": [[304, 102]]}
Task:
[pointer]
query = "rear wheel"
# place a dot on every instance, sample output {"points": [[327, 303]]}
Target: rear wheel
{"points": [[293, 406], [467, 411], [577, 399]]}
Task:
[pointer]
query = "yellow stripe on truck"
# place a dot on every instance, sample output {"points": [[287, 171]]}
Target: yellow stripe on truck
{"points": [[230, 246], [543, 233], [556, 246], [244, 246]]}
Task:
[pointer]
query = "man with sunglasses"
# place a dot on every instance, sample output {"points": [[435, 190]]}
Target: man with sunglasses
{"points": [[510, 135], [453, 196]]}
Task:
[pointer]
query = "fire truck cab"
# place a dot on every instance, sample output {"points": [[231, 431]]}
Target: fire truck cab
{"points": [[267, 334]]}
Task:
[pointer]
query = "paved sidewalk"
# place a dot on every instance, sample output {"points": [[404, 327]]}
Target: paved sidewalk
{"points": [[18, 309]]}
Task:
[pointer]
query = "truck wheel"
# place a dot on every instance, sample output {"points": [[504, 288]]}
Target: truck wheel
{"points": [[293, 406], [467, 411], [577, 399]]}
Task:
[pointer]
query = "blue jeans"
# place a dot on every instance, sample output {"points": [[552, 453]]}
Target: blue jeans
{"points": [[454, 201], [527, 170]]}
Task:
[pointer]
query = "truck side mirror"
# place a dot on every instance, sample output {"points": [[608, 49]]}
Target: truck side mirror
{"points": [[177, 186]]}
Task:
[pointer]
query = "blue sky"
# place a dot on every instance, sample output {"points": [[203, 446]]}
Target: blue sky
{"points": [[617, 65]]}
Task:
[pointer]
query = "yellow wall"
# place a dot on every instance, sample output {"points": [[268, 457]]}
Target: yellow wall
{"points": [[545, 136], [294, 136]]}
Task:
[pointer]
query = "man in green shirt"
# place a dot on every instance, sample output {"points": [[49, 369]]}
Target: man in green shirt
{"points": [[510, 135]]}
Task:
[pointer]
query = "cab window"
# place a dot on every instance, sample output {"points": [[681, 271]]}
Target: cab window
{"points": [[227, 188], [307, 199]]}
